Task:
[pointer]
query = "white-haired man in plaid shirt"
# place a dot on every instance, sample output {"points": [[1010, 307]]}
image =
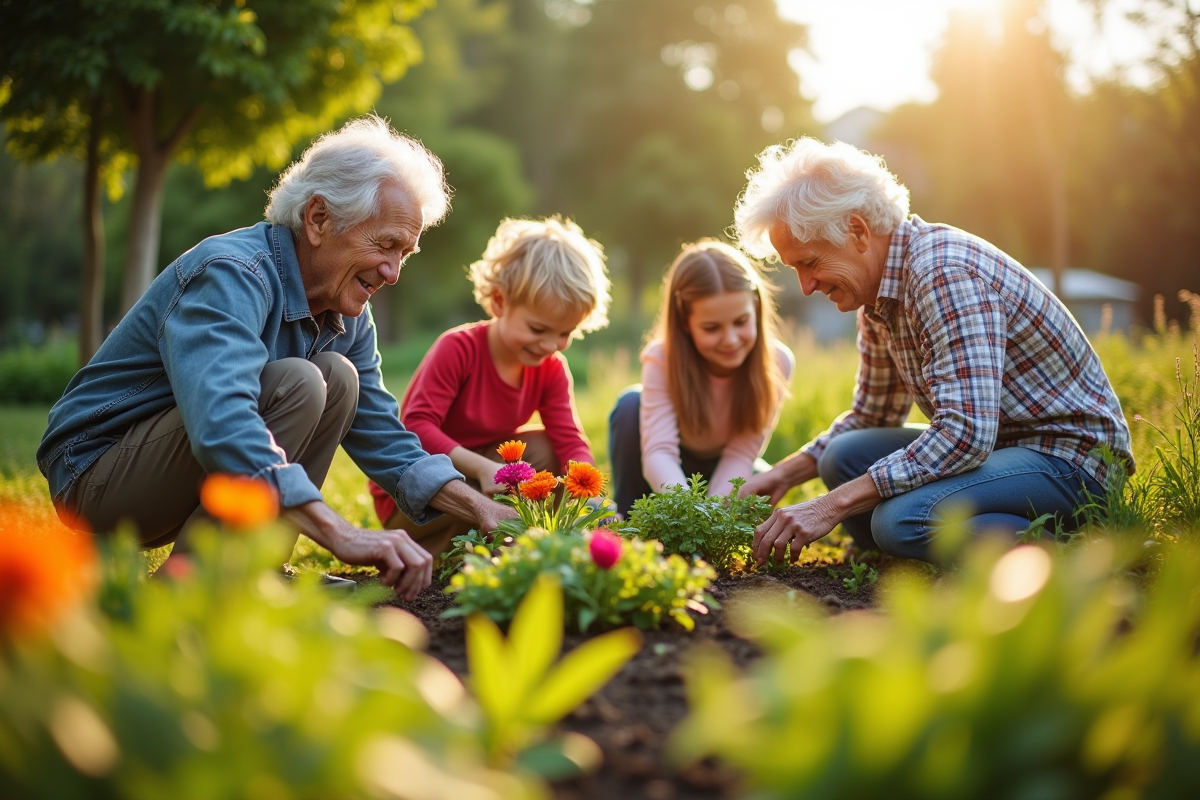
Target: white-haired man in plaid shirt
{"points": [[1020, 408]]}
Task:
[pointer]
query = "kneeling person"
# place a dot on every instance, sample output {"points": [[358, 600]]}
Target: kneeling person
{"points": [[251, 355]]}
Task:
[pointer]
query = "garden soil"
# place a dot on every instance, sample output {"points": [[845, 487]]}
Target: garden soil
{"points": [[633, 715]]}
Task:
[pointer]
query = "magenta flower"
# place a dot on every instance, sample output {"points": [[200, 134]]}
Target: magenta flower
{"points": [[605, 548], [513, 473]]}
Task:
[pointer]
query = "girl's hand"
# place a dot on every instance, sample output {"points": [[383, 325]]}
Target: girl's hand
{"points": [[768, 484], [487, 480]]}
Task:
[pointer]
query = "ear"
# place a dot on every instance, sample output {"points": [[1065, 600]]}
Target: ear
{"points": [[860, 233], [497, 300], [317, 222]]}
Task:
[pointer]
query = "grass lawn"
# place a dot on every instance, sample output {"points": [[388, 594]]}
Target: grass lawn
{"points": [[1143, 370]]}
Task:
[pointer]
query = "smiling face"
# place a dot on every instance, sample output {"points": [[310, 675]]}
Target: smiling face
{"points": [[342, 270], [724, 328], [848, 275], [527, 335]]}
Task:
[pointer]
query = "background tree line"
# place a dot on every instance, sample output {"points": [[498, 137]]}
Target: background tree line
{"points": [[636, 118]]}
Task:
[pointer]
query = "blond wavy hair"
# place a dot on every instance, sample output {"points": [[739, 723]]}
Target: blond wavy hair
{"points": [[540, 262]]}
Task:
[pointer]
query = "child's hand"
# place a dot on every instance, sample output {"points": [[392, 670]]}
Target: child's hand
{"points": [[487, 480]]}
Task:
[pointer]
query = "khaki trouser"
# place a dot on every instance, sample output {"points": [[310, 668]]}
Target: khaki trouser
{"points": [[151, 478], [435, 536]]}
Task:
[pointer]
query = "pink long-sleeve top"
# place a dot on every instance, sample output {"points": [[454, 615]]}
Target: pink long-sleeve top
{"points": [[660, 426]]}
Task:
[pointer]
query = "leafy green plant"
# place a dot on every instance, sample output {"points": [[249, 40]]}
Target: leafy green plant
{"points": [[641, 588], [1027, 673], [1176, 478], [227, 681], [522, 693], [689, 521], [861, 575]]}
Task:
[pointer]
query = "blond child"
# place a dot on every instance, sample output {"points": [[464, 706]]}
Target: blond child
{"points": [[543, 284], [713, 378]]}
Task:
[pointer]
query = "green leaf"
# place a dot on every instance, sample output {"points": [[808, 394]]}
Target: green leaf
{"points": [[490, 661], [584, 670], [567, 756], [535, 636]]}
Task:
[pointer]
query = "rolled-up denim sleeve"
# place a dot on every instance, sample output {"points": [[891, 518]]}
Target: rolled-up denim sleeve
{"points": [[213, 354], [379, 443], [961, 324]]}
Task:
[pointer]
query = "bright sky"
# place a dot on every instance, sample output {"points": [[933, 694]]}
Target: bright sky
{"points": [[878, 52]]}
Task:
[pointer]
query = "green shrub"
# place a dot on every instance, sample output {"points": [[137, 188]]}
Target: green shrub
{"points": [[688, 521], [642, 587], [36, 375], [231, 682], [1024, 675]]}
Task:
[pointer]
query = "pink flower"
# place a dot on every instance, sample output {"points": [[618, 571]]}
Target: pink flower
{"points": [[605, 548], [514, 473]]}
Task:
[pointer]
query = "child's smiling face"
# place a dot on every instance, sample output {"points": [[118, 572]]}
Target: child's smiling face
{"points": [[527, 334], [724, 328]]}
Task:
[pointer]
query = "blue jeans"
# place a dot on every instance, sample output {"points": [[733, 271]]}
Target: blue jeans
{"points": [[625, 452], [1013, 487]]}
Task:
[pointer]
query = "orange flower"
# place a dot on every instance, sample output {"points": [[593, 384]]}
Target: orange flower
{"points": [[539, 486], [583, 480], [45, 570], [239, 501], [511, 450]]}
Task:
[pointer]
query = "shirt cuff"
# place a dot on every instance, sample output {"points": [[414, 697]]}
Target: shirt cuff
{"points": [[419, 482], [292, 483], [899, 473]]}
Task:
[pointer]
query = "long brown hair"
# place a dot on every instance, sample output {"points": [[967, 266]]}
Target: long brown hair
{"points": [[703, 269]]}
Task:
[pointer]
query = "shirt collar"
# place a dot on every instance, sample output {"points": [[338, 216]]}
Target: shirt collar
{"points": [[893, 267], [283, 247]]}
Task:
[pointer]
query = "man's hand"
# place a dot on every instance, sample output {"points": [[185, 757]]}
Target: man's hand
{"points": [[456, 498], [804, 523], [403, 565], [775, 482], [801, 524]]}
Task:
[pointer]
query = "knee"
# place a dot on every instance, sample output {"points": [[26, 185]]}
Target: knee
{"points": [[834, 465], [900, 529], [340, 378], [624, 416], [298, 385]]}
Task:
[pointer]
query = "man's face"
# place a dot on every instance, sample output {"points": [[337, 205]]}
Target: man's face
{"points": [[347, 268], [847, 275]]}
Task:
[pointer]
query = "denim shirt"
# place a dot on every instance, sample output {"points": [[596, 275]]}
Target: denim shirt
{"points": [[199, 338]]}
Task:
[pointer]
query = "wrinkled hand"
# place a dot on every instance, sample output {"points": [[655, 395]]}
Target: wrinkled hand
{"points": [[403, 564], [491, 514], [768, 484], [801, 525]]}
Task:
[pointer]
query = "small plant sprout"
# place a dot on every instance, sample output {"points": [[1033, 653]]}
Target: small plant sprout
{"points": [[861, 575], [521, 691]]}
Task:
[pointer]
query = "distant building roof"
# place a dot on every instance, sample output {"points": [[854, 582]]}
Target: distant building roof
{"points": [[1086, 284]]}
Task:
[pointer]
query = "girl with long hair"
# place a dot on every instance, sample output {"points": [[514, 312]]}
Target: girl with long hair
{"points": [[714, 376]]}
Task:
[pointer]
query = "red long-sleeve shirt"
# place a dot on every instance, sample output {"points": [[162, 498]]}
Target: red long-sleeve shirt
{"points": [[457, 398]]}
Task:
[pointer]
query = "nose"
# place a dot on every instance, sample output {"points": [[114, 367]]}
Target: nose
{"points": [[808, 285], [389, 270]]}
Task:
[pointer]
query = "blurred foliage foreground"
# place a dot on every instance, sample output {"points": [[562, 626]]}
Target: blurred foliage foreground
{"points": [[226, 680]]}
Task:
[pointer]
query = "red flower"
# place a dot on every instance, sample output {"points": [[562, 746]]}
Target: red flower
{"points": [[605, 548]]}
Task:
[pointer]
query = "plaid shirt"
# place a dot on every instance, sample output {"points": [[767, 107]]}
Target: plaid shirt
{"points": [[990, 356]]}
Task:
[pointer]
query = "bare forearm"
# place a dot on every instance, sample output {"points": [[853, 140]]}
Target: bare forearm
{"points": [[459, 500], [797, 468], [853, 497], [318, 522], [471, 463]]}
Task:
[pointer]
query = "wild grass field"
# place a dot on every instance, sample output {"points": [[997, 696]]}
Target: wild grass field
{"points": [[1146, 368]]}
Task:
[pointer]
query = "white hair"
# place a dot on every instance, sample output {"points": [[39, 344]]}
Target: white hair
{"points": [[348, 168], [545, 262], [814, 187]]}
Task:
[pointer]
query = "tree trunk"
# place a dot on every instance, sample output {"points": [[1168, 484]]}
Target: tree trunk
{"points": [[91, 301], [145, 227], [140, 108]]}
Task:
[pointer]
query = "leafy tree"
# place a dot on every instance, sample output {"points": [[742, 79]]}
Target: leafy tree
{"points": [[224, 84], [640, 118]]}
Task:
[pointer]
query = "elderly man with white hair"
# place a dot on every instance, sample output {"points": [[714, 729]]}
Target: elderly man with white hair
{"points": [[251, 355], [1020, 410]]}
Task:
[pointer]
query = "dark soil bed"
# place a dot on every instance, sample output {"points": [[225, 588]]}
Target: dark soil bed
{"points": [[632, 716]]}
